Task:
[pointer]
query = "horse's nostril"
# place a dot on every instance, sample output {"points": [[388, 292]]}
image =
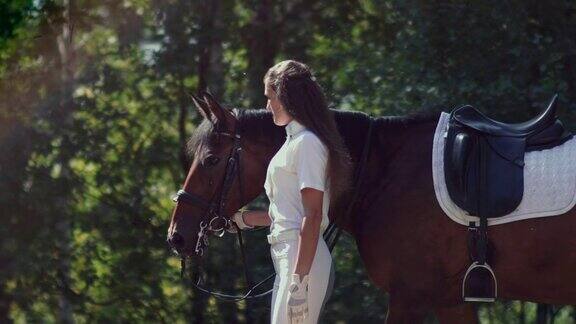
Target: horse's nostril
{"points": [[177, 241]]}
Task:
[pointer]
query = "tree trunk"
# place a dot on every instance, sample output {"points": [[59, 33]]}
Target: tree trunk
{"points": [[63, 225], [198, 301], [262, 37], [182, 136], [210, 63], [211, 77], [542, 311], [522, 315], [4, 307]]}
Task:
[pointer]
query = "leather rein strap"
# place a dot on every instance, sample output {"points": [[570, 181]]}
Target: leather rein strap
{"points": [[331, 234]]}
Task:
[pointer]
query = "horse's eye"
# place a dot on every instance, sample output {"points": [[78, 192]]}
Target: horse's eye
{"points": [[211, 160]]}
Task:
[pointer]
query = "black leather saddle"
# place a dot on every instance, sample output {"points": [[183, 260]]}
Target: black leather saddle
{"points": [[484, 158]]}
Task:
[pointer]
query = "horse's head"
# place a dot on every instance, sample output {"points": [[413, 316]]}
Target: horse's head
{"points": [[227, 171]]}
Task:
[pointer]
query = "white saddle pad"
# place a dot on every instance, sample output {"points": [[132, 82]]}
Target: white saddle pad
{"points": [[549, 182]]}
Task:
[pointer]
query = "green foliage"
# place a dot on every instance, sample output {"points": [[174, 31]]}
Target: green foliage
{"points": [[93, 124]]}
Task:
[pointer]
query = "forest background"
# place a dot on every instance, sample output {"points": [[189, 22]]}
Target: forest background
{"points": [[95, 113]]}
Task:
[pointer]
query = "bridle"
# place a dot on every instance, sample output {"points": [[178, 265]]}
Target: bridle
{"points": [[217, 223], [215, 209]]}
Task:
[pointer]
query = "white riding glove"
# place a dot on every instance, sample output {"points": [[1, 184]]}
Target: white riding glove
{"points": [[298, 299], [238, 219]]}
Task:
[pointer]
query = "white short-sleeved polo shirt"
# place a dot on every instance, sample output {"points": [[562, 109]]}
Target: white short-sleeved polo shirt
{"points": [[301, 162]]}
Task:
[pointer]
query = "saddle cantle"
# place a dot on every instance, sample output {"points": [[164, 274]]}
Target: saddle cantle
{"points": [[484, 175], [484, 158]]}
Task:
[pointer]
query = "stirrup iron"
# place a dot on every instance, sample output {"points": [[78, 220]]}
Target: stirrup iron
{"points": [[479, 284]]}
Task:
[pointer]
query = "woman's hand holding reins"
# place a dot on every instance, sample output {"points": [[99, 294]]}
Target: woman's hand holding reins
{"points": [[249, 219], [297, 307], [237, 221]]}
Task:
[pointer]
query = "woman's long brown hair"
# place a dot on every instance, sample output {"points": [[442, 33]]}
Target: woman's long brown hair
{"points": [[304, 100]]}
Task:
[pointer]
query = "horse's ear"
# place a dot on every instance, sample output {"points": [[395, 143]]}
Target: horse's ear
{"points": [[202, 107], [221, 114]]}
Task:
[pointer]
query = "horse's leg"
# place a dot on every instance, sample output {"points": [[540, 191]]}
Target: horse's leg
{"points": [[404, 313], [464, 313]]}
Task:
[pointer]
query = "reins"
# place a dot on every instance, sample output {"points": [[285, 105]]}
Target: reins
{"points": [[330, 235]]}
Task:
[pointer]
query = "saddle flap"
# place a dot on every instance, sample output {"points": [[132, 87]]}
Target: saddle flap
{"points": [[483, 173]]}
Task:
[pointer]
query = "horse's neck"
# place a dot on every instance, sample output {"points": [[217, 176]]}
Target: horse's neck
{"points": [[262, 136], [398, 154], [396, 143]]}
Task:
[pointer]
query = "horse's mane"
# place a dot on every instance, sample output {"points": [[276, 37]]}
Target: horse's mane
{"points": [[253, 123], [419, 117], [256, 124], [424, 116]]}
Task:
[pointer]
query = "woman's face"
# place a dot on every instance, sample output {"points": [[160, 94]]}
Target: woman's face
{"points": [[279, 114]]}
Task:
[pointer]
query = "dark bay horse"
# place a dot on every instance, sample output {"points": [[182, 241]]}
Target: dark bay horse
{"points": [[410, 248]]}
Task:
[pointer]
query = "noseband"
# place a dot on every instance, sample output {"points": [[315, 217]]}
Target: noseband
{"points": [[213, 221]]}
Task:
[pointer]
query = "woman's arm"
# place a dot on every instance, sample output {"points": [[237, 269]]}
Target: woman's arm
{"points": [[310, 230], [256, 218]]}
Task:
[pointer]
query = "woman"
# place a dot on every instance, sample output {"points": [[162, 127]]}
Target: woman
{"points": [[300, 183]]}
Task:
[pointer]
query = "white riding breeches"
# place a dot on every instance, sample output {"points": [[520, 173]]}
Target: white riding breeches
{"points": [[321, 278]]}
